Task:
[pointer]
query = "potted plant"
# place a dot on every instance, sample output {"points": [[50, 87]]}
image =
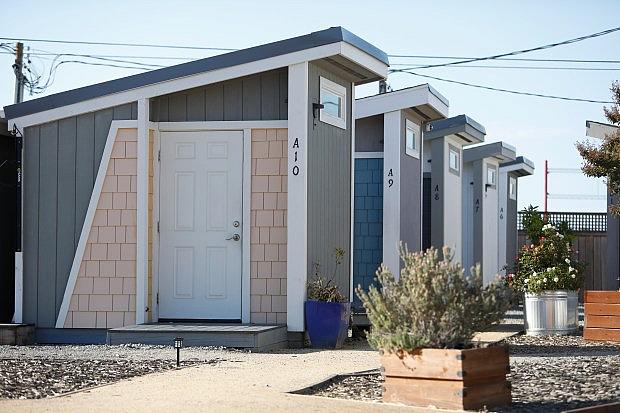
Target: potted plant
{"points": [[327, 310], [423, 324], [549, 275]]}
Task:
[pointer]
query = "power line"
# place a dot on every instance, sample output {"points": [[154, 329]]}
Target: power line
{"points": [[512, 67], [517, 52], [514, 92], [517, 59], [161, 46]]}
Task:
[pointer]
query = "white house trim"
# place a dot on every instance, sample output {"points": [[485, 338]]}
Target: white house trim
{"points": [[297, 208], [400, 99], [19, 288], [392, 122], [90, 215], [198, 80], [245, 235], [222, 125], [155, 220], [142, 213], [368, 155]]}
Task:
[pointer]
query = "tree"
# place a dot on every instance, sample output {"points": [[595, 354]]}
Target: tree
{"points": [[603, 160]]}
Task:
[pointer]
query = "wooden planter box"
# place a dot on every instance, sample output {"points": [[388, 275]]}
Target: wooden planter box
{"points": [[602, 310], [16, 334], [449, 379]]}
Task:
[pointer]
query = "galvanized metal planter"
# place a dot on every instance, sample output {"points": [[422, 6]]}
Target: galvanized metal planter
{"points": [[551, 313]]}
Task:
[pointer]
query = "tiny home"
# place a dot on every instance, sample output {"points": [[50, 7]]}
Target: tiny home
{"points": [[611, 280], [388, 176], [444, 141], [202, 191], [507, 187], [480, 219]]}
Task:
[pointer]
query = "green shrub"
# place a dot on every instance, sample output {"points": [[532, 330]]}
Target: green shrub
{"points": [[432, 305]]}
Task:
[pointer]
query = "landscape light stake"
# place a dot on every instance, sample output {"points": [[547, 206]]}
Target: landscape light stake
{"points": [[178, 344]]}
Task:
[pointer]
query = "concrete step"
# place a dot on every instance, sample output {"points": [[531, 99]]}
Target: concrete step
{"points": [[245, 336]]}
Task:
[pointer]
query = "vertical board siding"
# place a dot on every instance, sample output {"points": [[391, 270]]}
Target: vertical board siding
{"points": [[84, 170], [369, 134], [410, 190], [368, 224], [329, 186], [48, 223], [61, 160], [65, 235], [30, 224], [426, 211], [511, 226], [258, 97]]}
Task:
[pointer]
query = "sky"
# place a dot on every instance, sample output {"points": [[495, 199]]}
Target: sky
{"points": [[541, 129]]}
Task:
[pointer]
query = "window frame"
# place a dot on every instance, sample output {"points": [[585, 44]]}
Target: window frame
{"points": [[490, 168], [512, 184], [415, 128], [456, 171], [341, 92]]}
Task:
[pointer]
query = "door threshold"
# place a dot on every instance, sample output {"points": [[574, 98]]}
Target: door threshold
{"points": [[198, 321]]}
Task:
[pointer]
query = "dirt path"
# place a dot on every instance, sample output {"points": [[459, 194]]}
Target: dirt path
{"points": [[245, 382]]}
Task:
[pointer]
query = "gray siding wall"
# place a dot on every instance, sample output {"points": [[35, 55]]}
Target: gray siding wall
{"points": [[369, 134], [258, 97], [437, 193], [329, 185], [511, 224], [410, 191], [61, 160]]}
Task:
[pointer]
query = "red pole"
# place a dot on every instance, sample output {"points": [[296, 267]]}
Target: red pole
{"points": [[546, 187]]}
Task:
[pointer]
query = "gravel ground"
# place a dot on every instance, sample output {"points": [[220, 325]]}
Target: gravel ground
{"points": [[32, 372], [548, 374]]}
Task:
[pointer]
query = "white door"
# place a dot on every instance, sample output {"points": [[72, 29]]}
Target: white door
{"points": [[200, 225]]}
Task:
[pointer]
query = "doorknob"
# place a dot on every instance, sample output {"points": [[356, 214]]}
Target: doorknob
{"points": [[235, 237]]}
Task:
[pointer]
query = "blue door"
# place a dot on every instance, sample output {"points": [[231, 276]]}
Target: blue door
{"points": [[368, 223]]}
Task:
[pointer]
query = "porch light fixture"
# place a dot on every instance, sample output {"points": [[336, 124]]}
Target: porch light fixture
{"points": [[178, 344]]}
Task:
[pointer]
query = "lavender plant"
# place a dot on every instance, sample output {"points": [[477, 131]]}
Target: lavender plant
{"points": [[432, 305]]}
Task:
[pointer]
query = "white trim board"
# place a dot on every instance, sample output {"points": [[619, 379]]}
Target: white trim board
{"points": [[142, 213], [155, 280], [90, 215], [204, 78], [245, 235], [297, 207], [368, 155], [392, 124], [352, 206], [18, 314]]}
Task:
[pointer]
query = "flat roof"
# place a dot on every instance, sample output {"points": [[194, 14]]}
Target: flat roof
{"points": [[295, 44], [462, 126], [500, 150], [599, 129], [421, 96], [522, 166]]}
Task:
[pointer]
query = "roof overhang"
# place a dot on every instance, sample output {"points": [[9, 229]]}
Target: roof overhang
{"points": [[352, 52], [501, 151], [599, 130], [462, 127], [521, 166], [422, 99]]}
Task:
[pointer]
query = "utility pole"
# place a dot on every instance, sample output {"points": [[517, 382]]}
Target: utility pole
{"points": [[18, 68], [546, 187]]}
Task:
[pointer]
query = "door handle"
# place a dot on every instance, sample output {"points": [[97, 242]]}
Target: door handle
{"points": [[235, 237]]}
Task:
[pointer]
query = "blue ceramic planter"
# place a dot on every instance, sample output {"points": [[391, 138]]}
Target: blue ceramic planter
{"points": [[327, 323]]}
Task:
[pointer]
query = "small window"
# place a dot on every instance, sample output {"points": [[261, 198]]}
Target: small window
{"points": [[333, 98], [491, 176], [512, 190], [412, 138], [455, 160]]}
